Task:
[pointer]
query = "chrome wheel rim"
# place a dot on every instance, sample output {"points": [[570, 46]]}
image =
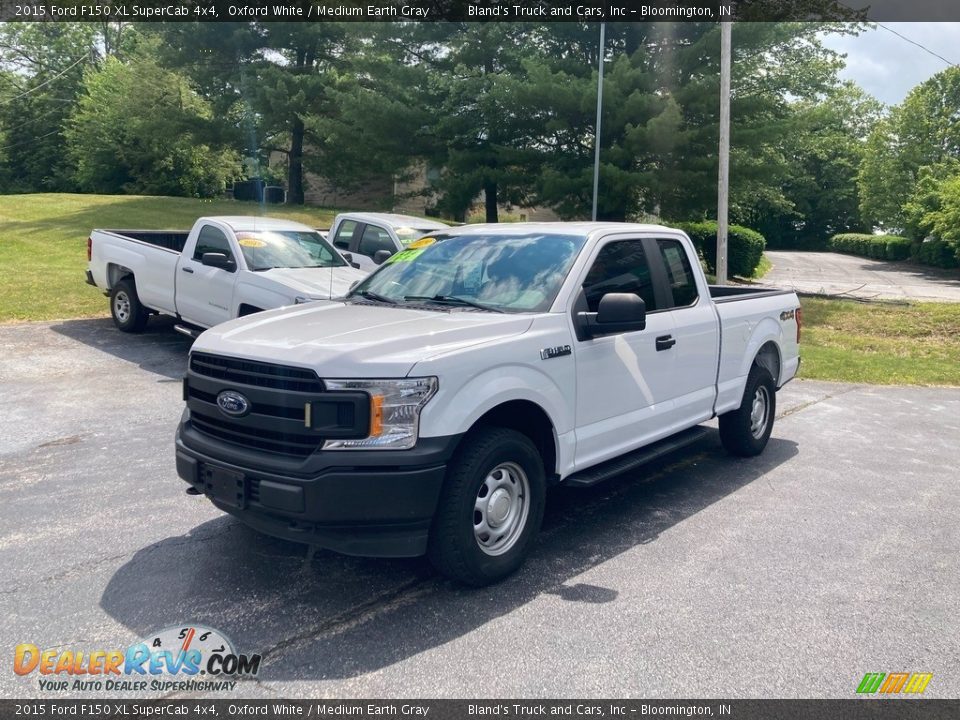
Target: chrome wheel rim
{"points": [[121, 306], [758, 412], [501, 508]]}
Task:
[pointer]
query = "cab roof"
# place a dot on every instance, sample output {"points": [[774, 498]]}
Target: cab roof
{"points": [[252, 223], [395, 220]]}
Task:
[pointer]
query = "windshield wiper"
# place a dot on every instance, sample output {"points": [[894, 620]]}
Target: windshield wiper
{"points": [[453, 300], [370, 295]]}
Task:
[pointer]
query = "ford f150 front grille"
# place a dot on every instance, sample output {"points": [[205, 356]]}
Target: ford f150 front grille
{"points": [[272, 415], [296, 444], [247, 372]]}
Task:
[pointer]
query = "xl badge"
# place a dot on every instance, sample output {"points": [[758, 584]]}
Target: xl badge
{"points": [[233, 403], [553, 352]]}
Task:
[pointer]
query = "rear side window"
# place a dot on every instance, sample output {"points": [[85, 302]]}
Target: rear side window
{"points": [[345, 234], [211, 240], [620, 267], [373, 239], [679, 274]]}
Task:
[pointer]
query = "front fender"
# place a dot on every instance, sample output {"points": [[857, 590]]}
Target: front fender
{"points": [[265, 298]]}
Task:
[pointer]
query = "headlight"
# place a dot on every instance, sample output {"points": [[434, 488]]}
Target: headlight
{"points": [[394, 412]]}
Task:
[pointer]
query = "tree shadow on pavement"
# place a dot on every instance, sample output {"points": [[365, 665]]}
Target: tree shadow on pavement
{"points": [[158, 349], [332, 616]]}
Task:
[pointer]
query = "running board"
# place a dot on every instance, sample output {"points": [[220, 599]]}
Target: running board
{"points": [[190, 332], [632, 460]]}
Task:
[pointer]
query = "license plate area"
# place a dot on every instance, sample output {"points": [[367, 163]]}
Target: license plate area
{"points": [[224, 486]]}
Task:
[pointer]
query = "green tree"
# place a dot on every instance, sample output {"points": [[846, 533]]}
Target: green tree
{"points": [[824, 153], [922, 132], [660, 114], [44, 64], [140, 128]]}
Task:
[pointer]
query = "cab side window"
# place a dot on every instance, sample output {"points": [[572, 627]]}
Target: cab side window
{"points": [[374, 239], [680, 276], [345, 234], [211, 240], [620, 267]]}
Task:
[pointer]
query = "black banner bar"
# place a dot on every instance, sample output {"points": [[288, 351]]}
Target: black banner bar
{"points": [[873, 708], [477, 10]]}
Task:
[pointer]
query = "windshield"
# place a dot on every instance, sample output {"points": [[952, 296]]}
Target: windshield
{"points": [[407, 235], [268, 249], [507, 273]]}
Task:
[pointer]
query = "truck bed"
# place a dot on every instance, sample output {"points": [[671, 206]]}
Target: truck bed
{"points": [[733, 293], [168, 239]]}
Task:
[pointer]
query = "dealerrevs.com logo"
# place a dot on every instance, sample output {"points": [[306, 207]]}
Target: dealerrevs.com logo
{"points": [[188, 658]]}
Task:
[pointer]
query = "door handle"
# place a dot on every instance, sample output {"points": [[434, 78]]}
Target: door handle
{"points": [[187, 269], [665, 342]]}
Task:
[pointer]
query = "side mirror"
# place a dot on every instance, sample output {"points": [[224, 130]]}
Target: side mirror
{"points": [[380, 256], [218, 260], [617, 313], [349, 258]]}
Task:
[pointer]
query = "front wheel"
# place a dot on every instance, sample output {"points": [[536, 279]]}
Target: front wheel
{"points": [[129, 315], [490, 509], [746, 430]]}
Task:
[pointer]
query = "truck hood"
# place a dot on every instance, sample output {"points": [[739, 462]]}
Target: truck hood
{"points": [[356, 340], [316, 282]]}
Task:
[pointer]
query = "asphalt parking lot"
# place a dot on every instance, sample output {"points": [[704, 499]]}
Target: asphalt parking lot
{"points": [[789, 575]]}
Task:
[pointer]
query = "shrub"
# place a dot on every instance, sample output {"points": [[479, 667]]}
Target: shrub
{"points": [[939, 253], [744, 246], [879, 247]]}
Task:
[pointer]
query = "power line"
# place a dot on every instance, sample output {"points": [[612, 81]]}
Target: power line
{"points": [[46, 82], [919, 45], [28, 142]]}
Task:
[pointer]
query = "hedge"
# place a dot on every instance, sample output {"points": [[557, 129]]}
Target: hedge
{"points": [[939, 253], [879, 247], [744, 246]]}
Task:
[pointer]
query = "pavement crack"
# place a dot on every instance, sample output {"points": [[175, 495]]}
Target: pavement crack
{"points": [[811, 403], [389, 600]]}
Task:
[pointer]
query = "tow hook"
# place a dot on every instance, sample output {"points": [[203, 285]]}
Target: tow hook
{"points": [[193, 491]]}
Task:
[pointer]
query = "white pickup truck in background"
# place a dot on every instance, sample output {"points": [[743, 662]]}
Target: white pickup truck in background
{"points": [[225, 267], [373, 237], [428, 411]]}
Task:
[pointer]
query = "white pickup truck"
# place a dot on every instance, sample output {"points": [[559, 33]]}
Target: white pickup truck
{"points": [[373, 237], [428, 411], [225, 267]]}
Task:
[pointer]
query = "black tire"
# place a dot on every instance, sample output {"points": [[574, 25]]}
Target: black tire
{"points": [[128, 313], [503, 467], [741, 432]]}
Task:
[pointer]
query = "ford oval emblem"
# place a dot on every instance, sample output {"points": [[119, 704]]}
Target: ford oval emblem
{"points": [[233, 403]]}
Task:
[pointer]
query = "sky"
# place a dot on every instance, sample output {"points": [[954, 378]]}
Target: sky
{"points": [[887, 66]]}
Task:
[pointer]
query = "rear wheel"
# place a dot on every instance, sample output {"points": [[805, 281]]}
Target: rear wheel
{"points": [[129, 315], [490, 509], [746, 430]]}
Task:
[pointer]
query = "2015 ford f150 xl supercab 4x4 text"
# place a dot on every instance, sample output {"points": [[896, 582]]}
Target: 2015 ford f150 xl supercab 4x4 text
{"points": [[428, 411], [225, 267]]}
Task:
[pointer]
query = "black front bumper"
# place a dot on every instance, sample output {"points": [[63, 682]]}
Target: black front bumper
{"points": [[377, 503]]}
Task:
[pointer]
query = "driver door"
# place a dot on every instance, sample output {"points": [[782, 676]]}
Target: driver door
{"points": [[624, 396], [205, 294]]}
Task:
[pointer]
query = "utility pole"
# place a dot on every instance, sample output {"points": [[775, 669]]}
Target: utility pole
{"points": [[723, 189], [596, 137]]}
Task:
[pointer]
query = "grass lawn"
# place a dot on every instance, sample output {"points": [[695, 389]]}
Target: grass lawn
{"points": [[43, 243], [762, 269], [883, 344]]}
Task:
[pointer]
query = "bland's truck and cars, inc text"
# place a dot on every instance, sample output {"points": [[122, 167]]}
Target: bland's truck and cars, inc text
{"points": [[429, 409]]}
